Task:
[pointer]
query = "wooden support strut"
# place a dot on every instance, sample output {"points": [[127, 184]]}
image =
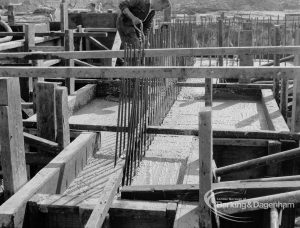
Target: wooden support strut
{"points": [[295, 122], [205, 166], [11, 136], [69, 46]]}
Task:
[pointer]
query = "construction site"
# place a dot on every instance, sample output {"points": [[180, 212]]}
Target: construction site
{"points": [[198, 127]]}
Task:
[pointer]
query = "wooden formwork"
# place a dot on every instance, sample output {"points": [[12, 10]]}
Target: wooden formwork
{"points": [[46, 200]]}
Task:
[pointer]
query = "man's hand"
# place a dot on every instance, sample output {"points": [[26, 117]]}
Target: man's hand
{"points": [[133, 18], [136, 20]]}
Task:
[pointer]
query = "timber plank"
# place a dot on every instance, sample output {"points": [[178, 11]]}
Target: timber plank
{"points": [[11, 137], [54, 178], [189, 192], [46, 110], [187, 215], [211, 51], [275, 120], [99, 213], [152, 72], [123, 213], [41, 143]]}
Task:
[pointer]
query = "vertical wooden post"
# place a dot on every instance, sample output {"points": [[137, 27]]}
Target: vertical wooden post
{"points": [[46, 110], [274, 218], [10, 15], [64, 21], [276, 62], [295, 123], [69, 46], [245, 40], [274, 147], [208, 92], [11, 136], [220, 37], [80, 29], [27, 91], [205, 165], [62, 116]]}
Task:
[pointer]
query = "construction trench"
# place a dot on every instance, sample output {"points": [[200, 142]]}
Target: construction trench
{"points": [[186, 134]]}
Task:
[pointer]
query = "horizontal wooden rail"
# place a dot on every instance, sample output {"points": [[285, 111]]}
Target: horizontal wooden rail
{"points": [[227, 133], [189, 52], [20, 43], [257, 162], [41, 143], [232, 134], [227, 85], [76, 34], [153, 72], [190, 192]]}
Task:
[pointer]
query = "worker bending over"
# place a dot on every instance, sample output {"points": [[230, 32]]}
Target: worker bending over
{"points": [[133, 14]]}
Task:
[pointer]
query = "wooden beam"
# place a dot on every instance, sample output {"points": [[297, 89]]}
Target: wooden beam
{"points": [[205, 165], [245, 40], [225, 133], [277, 38], [274, 118], [274, 218], [82, 63], [274, 170], [47, 48], [69, 46], [97, 43], [64, 20], [105, 201], [116, 46], [295, 122], [141, 213], [227, 85], [62, 116], [54, 178], [152, 72], [46, 110], [11, 137], [188, 52], [208, 92], [190, 192], [257, 162], [81, 97], [27, 105], [41, 143], [51, 33]]}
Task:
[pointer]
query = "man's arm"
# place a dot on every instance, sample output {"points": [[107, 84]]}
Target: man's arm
{"points": [[124, 7], [149, 22]]}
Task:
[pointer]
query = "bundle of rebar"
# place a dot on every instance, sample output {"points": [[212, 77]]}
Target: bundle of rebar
{"points": [[142, 102]]}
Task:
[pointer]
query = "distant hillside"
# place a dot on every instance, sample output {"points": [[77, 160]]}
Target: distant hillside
{"points": [[186, 6], [204, 6]]}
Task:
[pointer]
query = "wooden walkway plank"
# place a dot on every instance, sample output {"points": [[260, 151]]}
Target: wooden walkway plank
{"points": [[106, 199], [54, 178]]}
